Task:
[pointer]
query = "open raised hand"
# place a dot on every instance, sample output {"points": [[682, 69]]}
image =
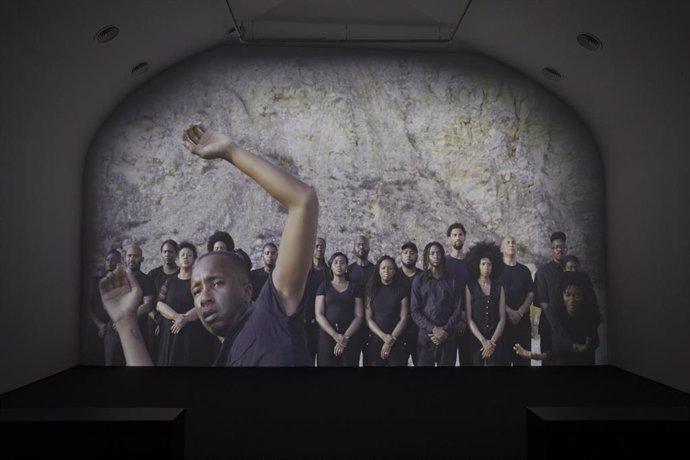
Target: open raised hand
{"points": [[205, 143], [120, 293]]}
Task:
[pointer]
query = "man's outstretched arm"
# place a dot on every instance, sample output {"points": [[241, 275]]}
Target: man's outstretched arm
{"points": [[299, 232], [121, 296]]}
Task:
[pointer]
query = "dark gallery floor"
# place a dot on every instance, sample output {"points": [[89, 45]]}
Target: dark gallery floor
{"points": [[343, 413]]}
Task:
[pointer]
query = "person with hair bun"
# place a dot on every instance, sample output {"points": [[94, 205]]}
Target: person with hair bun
{"points": [[387, 306], [485, 303], [339, 311], [574, 317]]}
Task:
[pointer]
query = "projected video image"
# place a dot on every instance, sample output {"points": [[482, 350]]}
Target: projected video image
{"points": [[306, 207]]}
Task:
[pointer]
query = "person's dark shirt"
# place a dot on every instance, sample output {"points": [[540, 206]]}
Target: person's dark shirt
{"points": [[340, 306], [360, 274], [410, 279], [159, 277], [148, 288], [567, 330], [266, 336], [457, 268], [485, 308], [435, 302], [146, 282], [314, 280], [385, 307], [546, 282], [96, 302], [517, 283], [257, 278]]}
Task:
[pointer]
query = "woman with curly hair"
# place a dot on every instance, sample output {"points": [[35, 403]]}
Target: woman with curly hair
{"points": [[338, 310], [485, 303], [574, 317], [387, 307], [220, 241]]}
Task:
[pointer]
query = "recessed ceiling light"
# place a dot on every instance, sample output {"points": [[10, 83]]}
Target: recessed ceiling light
{"points": [[551, 74], [106, 34], [589, 41], [140, 68]]}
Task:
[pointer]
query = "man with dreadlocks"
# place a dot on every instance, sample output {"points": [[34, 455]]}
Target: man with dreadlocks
{"points": [[435, 307], [485, 303]]}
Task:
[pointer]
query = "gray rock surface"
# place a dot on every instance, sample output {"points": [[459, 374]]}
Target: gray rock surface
{"points": [[398, 146]]}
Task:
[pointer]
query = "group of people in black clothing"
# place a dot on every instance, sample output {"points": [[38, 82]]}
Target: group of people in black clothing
{"points": [[300, 309]]}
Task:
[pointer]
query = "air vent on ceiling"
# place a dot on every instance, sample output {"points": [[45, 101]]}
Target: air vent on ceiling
{"points": [[140, 68], [106, 34], [589, 41], [551, 74]]}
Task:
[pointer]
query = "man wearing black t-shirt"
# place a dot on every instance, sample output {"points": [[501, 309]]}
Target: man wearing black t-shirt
{"points": [[457, 268], [359, 272], [518, 287], [317, 275], [112, 352], [408, 259], [258, 277], [269, 332], [546, 288], [133, 259]]}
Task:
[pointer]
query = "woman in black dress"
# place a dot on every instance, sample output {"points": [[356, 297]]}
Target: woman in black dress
{"points": [[183, 340], [387, 311], [485, 303], [339, 311], [574, 317]]}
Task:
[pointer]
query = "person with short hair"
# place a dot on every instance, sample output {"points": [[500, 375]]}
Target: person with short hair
{"points": [[112, 350], [518, 287], [387, 307], [220, 241], [409, 270], [258, 277], [339, 311], [317, 275], [456, 264], [268, 332], [435, 307], [134, 257], [169, 267], [546, 281], [359, 272], [160, 275]]}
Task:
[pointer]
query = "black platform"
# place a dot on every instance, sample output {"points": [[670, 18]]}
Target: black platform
{"points": [[350, 413]]}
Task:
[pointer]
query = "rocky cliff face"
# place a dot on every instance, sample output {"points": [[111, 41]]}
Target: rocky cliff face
{"points": [[398, 146]]}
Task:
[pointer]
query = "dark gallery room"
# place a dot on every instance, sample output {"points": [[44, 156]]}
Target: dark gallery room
{"points": [[453, 159]]}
